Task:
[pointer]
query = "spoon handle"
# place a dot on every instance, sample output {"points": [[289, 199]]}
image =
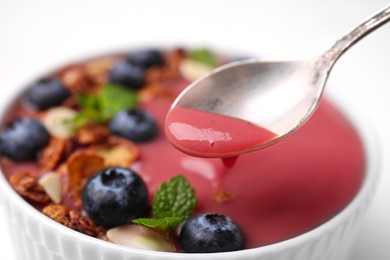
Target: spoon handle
{"points": [[356, 34]]}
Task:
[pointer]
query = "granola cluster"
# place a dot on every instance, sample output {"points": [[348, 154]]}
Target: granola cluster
{"points": [[26, 184], [74, 153], [72, 156], [73, 219]]}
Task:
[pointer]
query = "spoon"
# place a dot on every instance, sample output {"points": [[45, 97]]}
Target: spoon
{"points": [[277, 95]]}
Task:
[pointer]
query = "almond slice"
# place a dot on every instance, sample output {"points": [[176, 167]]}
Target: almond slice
{"points": [[193, 70], [140, 237], [55, 121], [51, 184]]}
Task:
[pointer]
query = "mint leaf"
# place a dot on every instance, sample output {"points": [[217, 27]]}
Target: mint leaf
{"points": [[204, 56], [160, 223], [104, 105], [85, 116], [175, 198], [114, 98], [88, 101], [173, 203]]}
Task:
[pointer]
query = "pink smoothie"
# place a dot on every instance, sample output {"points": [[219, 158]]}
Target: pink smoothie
{"points": [[206, 134], [275, 193]]}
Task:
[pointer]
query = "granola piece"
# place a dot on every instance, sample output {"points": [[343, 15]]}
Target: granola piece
{"points": [[117, 151], [52, 185], [170, 70], [81, 165], [50, 157], [91, 134], [155, 91], [26, 184], [221, 196], [97, 70], [87, 78], [73, 219]]}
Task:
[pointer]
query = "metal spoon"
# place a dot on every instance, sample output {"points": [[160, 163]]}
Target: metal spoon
{"points": [[277, 95]]}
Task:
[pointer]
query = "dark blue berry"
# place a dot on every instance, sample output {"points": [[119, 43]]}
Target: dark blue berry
{"points": [[22, 139], [134, 124], [47, 93], [126, 74], [209, 233], [146, 58], [114, 197]]}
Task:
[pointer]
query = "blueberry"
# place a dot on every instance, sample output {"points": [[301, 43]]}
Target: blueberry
{"points": [[22, 139], [47, 93], [146, 58], [127, 74], [134, 124], [114, 197], [209, 233]]}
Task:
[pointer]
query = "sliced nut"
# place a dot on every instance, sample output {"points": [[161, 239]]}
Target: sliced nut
{"points": [[51, 184], [55, 121], [140, 237], [193, 70]]}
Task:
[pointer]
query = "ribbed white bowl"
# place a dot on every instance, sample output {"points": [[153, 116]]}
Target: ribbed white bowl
{"points": [[36, 237]]}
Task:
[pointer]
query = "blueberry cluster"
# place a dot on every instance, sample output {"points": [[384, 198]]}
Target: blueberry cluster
{"points": [[134, 124], [131, 71]]}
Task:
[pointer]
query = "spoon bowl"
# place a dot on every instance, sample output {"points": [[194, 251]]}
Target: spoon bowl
{"points": [[278, 96], [254, 91]]}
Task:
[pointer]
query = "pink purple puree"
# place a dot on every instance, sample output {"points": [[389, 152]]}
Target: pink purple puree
{"points": [[278, 192]]}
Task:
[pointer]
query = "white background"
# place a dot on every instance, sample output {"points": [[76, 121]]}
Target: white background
{"points": [[35, 35]]}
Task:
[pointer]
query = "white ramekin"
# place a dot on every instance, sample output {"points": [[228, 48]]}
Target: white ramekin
{"points": [[36, 237]]}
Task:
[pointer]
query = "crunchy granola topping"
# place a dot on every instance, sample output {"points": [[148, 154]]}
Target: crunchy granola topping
{"points": [[86, 78], [170, 70], [26, 184], [53, 153], [73, 154], [73, 220], [91, 134], [80, 166], [117, 151], [155, 91]]}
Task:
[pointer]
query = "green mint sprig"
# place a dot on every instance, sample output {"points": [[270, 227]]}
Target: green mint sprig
{"points": [[173, 203], [204, 56], [104, 105]]}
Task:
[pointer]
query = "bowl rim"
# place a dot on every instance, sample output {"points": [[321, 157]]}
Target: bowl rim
{"points": [[350, 108]]}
